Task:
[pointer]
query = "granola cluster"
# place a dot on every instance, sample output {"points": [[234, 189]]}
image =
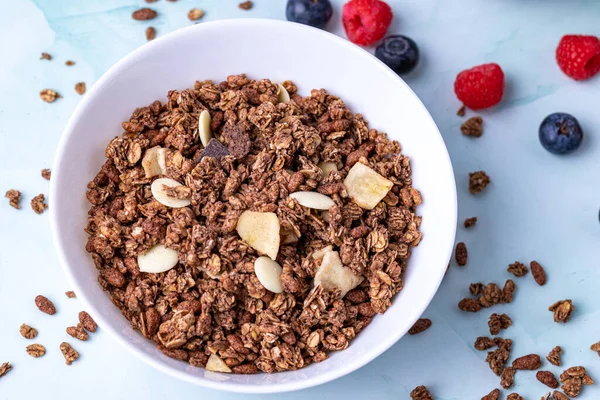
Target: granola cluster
{"points": [[211, 308]]}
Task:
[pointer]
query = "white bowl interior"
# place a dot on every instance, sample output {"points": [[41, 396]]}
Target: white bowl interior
{"points": [[280, 51]]}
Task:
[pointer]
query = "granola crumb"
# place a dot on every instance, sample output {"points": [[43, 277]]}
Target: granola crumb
{"points": [[46, 56], [4, 368], [144, 14], [539, 275], [559, 396], [45, 305], [421, 325], [470, 222], [518, 269], [69, 353], [49, 95], [508, 291], [507, 378], [246, 5], [554, 356], [87, 322], [529, 362], [596, 347], [478, 181], [46, 174], [484, 343], [80, 88], [547, 378], [562, 310], [493, 395], [469, 305], [35, 350], [461, 111], [420, 393], [78, 332], [70, 294], [27, 331], [497, 359], [69, 63], [498, 322], [476, 288], [514, 396], [472, 127], [150, 33], [37, 203], [573, 379], [195, 14], [461, 254], [14, 198]]}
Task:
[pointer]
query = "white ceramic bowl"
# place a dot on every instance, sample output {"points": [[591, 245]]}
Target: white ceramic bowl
{"points": [[278, 50]]}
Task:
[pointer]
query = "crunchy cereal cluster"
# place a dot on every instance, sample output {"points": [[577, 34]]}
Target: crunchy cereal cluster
{"points": [[211, 302]]}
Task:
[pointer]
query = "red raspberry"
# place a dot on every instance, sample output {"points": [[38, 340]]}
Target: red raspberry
{"points": [[366, 21], [481, 86], [578, 56]]}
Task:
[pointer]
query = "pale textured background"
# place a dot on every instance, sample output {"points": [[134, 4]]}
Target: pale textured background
{"points": [[539, 206]]}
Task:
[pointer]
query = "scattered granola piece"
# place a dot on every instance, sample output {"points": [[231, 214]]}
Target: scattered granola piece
{"points": [[35, 350], [37, 203], [470, 222], [596, 347], [421, 325], [529, 362], [70, 294], [14, 198], [554, 356], [45, 305], [517, 269], [478, 181], [539, 275], [144, 14], [4, 368], [461, 254], [150, 33], [547, 378], [69, 63], [490, 295], [498, 358], [49, 95], [69, 353], [484, 343], [573, 379], [514, 396], [469, 305], [507, 378], [46, 174], [498, 322], [476, 288], [493, 395], [27, 331], [461, 111], [151, 1], [559, 396], [78, 332], [246, 5], [420, 393], [195, 14], [472, 127], [46, 56], [562, 310], [80, 88], [508, 291], [87, 321]]}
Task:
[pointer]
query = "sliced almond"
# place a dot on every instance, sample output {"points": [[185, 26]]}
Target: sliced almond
{"points": [[216, 364], [204, 128], [268, 273], [313, 200], [158, 259], [154, 162], [332, 274], [327, 167], [366, 186], [261, 231], [282, 94], [160, 194]]}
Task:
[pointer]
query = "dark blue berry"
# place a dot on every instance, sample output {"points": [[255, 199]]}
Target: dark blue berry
{"points": [[398, 52], [560, 133], [309, 12]]}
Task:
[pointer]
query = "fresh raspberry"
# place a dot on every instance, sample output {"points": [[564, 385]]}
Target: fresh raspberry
{"points": [[481, 86], [578, 56], [366, 21]]}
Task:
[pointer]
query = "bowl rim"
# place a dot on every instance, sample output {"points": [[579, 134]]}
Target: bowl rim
{"points": [[60, 246]]}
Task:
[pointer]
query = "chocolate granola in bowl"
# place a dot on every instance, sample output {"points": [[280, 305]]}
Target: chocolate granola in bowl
{"points": [[244, 228]]}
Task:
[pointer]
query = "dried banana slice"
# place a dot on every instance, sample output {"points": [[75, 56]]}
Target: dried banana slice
{"points": [[366, 186], [261, 231]]}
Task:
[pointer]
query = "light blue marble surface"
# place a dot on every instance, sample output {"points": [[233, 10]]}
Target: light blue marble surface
{"points": [[538, 206]]}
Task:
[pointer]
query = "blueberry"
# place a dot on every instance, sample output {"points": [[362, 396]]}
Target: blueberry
{"points": [[309, 12], [560, 133], [398, 52]]}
